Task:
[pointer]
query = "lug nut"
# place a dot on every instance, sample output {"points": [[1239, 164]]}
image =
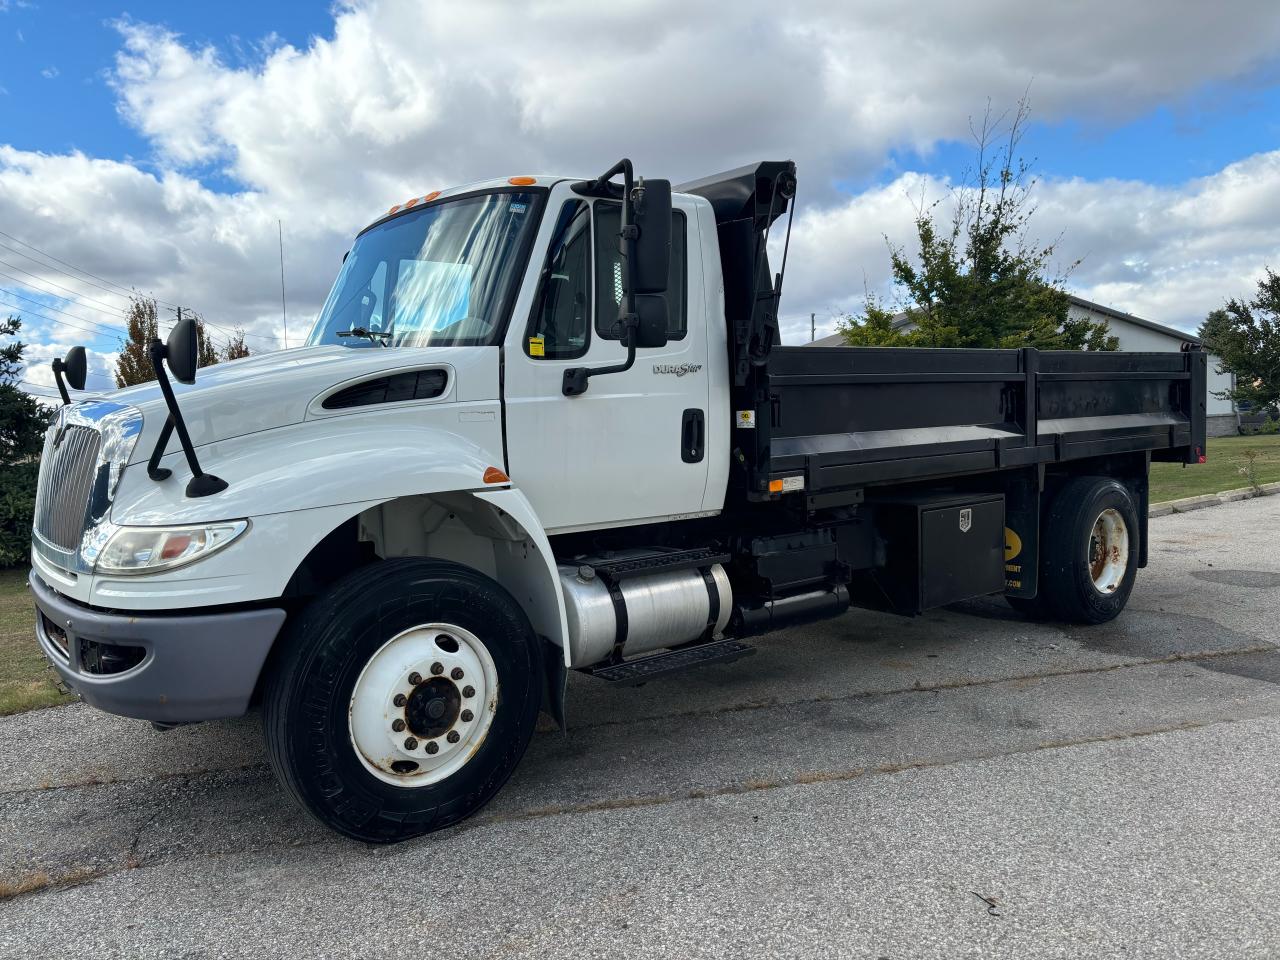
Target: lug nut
{"points": [[468, 691], [457, 673], [411, 743], [437, 668], [400, 700], [415, 678], [453, 737], [433, 747], [397, 725], [467, 715]]}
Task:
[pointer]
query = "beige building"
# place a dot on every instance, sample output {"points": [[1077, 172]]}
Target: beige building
{"points": [[1141, 335]]}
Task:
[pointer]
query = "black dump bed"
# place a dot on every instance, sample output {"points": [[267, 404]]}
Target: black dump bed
{"points": [[846, 417], [850, 417]]}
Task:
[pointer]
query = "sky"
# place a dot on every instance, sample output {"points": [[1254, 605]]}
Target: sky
{"points": [[160, 147]]}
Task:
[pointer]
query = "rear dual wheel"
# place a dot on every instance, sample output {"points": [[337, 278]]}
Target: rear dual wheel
{"points": [[400, 701], [1088, 553]]}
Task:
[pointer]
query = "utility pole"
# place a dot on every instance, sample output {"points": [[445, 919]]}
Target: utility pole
{"points": [[284, 320], [813, 330]]}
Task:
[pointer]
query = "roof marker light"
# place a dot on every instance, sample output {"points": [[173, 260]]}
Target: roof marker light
{"points": [[522, 181]]}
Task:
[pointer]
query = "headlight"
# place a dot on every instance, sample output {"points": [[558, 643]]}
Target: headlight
{"points": [[148, 549]]}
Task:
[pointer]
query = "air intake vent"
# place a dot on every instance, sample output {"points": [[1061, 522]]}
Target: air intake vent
{"points": [[414, 385]]}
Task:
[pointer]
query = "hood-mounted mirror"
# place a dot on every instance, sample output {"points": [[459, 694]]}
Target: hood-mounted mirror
{"points": [[75, 366], [180, 352]]}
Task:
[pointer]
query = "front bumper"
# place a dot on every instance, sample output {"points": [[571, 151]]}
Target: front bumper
{"points": [[192, 667]]}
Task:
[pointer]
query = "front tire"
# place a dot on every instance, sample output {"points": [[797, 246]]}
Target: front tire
{"points": [[1090, 551], [402, 699]]}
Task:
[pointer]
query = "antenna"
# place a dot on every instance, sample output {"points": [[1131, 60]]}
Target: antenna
{"points": [[284, 320]]}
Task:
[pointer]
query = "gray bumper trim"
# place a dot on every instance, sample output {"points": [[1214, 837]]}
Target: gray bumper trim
{"points": [[196, 667]]}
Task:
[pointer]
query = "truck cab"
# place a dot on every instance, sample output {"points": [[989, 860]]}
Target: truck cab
{"points": [[541, 425]]}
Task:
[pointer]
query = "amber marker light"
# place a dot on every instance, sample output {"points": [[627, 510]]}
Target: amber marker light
{"points": [[522, 181], [494, 475]]}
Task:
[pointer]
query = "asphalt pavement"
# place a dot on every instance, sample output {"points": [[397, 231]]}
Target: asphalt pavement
{"points": [[964, 784]]}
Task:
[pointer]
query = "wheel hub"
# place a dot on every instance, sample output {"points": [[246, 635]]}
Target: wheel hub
{"points": [[433, 708], [1108, 551], [423, 704]]}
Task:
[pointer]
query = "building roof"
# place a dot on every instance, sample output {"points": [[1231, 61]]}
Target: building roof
{"points": [[1130, 318]]}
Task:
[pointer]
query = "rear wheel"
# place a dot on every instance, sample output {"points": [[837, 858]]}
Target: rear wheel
{"points": [[402, 699], [1089, 551]]}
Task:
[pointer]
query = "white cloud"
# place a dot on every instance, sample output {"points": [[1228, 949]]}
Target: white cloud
{"points": [[404, 97], [49, 73]]}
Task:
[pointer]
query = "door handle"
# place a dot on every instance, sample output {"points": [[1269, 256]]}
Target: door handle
{"points": [[692, 436]]}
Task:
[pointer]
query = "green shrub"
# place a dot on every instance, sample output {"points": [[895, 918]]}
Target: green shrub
{"points": [[1268, 427], [17, 504]]}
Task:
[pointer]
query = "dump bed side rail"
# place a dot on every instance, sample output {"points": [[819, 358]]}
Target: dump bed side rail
{"points": [[847, 417]]}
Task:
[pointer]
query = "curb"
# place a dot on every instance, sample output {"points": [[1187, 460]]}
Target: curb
{"points": [[1187, 504]]}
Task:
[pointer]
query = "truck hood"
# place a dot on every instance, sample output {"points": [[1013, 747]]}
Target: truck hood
{"points": [[278, 389]]}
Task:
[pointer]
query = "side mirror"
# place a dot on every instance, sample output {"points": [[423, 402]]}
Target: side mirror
{"points": [[76, 367], [181, 350], [651, 214], [651, 308]]}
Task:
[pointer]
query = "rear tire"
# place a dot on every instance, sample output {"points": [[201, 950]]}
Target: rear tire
{"points": [[381, 757], [1089, 553]]}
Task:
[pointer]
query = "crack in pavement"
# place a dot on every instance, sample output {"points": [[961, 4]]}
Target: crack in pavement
{"points": [[43, 885], [1192, 657]]}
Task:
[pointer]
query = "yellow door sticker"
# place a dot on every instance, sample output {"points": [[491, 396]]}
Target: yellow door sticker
{"points": [[537, 347]]}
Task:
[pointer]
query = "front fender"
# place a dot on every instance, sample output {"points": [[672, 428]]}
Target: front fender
{"points": [[378, 455]]}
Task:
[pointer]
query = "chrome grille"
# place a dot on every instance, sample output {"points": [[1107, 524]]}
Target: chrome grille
{"points": [[66, 479]]}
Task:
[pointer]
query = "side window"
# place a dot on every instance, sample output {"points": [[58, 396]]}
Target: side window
{"points": [[609, 274], [560, 327]]}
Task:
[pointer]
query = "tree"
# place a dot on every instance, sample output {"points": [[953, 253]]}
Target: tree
{"points": [[143, 325], [977, 280], [1246, 338], [22, 424], [236, 347]]}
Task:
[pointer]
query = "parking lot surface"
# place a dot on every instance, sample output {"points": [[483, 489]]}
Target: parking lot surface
{"points": [[964, 784]]}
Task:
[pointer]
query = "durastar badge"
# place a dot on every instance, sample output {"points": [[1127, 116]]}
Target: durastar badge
{"points": [[679, 369]]}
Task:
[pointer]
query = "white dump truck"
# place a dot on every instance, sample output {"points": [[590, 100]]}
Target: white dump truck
{"points": [[544, 425]]}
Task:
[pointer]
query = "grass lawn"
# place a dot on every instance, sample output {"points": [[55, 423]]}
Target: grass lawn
{"points": [[1172, 481], [25, 679]]}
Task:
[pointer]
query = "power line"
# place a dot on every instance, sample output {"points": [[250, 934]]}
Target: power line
{"points": [[45, 306], [128, 293], [68, 273], [79, 296], [79, 269]]}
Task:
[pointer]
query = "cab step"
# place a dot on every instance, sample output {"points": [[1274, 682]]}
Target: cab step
{"points": [[632, 673], [622, 568]]}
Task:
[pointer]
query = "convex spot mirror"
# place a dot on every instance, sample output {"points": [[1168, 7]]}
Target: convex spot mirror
{"points": [[76, 368], [180, 351]]}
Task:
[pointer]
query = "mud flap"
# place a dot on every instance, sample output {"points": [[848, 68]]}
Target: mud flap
{"points": [[556, 682], [1022, 538]]}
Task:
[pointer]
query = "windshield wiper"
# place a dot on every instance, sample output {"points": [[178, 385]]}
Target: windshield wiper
{"points": [[379, 337]]}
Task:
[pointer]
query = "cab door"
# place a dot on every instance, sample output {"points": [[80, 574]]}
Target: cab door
{"points": [[633, 447]]}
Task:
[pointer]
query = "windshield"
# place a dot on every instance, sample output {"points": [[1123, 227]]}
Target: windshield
{"points": [[439, 276]]}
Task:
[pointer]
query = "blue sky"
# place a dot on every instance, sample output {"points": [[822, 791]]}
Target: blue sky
{"points": [[1156, 130]]}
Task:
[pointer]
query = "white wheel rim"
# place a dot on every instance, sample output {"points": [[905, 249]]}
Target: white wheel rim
{"points": [[416, 734], [1108, 555]]}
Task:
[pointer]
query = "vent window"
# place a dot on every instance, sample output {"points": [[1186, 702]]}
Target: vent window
{"points": [[414, 385]]}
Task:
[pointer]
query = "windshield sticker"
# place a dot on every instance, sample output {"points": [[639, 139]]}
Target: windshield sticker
{"points": [[517, 207]]}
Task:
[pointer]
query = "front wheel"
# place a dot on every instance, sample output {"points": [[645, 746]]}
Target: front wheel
{"points": [[402, 699]]}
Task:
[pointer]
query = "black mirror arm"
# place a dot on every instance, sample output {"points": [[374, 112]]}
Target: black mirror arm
{"points": [[201, 484], [58, 368], [575, 378]]}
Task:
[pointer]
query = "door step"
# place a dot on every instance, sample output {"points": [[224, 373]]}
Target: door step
{"points": [[613, 570], [635, 672]]}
